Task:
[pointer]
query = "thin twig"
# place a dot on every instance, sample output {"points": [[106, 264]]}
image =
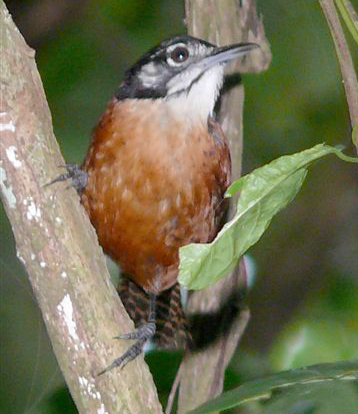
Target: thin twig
{"points": [[344, 58], [173, 390]]}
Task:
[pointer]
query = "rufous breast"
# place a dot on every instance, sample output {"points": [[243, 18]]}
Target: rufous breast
{"points": [[155, 183]]}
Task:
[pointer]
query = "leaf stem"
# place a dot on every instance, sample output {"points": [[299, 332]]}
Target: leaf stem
{"points": [[349, 16], [344, 58]]}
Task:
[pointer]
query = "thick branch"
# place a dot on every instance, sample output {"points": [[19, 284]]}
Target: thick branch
{"points": [[58, 247], [344, 58], [223, 22]]}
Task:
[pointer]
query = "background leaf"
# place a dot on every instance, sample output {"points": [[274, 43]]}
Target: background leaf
{"points": [[329, 397], [263, 388]]}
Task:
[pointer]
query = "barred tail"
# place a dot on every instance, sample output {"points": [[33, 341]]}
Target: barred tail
{"points": [[171, 326]]}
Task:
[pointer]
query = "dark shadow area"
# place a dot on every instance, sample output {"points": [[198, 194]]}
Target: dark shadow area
{"points": [[208, 328]]}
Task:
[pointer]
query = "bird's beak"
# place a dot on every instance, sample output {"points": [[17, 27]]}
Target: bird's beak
{"points": [[224, 54]]}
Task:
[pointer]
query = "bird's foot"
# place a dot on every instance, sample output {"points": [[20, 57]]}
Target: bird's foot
{"points": [[142, 334], [145, 331], [74, 173]]}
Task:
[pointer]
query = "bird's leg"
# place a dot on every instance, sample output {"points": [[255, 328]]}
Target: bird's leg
{"points": [[77, 176], [141, 335]]}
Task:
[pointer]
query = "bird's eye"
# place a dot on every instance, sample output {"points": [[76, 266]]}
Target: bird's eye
{"points": [[179, 54]]}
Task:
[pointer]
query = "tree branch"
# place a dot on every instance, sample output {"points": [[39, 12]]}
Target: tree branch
{"points": [[224, 22], [344, 58], [59, 248]]}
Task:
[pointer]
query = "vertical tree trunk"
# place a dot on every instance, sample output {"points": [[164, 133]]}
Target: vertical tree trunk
{"points": [[59, 248], [222, 22]]}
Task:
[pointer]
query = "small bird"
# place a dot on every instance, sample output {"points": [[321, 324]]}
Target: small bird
{"points": [[155, 176]]}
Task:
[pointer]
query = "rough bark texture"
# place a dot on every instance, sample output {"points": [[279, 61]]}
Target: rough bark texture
{"points": [[222, 22], [59, 248]]}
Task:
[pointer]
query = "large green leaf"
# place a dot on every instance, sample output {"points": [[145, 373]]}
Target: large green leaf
{"points": [[263, 193], [263, 388], [327, 397]]}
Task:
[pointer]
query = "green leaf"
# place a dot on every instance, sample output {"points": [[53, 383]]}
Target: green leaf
{"points": [[328, 397], [263, 193], [263, 388]]}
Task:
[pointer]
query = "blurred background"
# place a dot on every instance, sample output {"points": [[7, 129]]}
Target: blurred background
{"points": [[304, 298]]}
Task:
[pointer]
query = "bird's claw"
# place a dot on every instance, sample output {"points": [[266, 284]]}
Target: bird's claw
{"points": [[74, 173], [142, 334]]}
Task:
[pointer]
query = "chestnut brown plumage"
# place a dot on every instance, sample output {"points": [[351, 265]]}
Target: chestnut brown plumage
{"points": [[152, 188]]}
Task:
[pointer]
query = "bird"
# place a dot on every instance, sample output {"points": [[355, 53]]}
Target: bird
{"points": [[154, 179]]}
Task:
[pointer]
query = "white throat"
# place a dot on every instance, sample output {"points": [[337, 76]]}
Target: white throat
{"points": [[198, 103]]}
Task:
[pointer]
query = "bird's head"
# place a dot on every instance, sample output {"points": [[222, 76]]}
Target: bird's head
{"points": [[184, 71]]}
